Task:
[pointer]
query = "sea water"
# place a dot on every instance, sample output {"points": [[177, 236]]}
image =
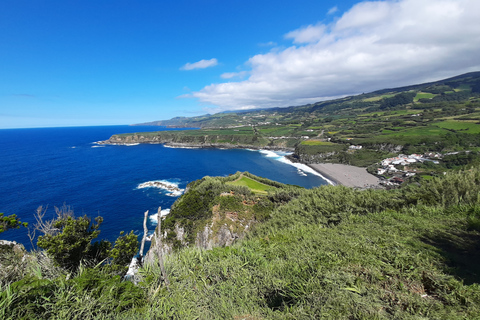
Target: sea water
{"points": [[51, 167]]}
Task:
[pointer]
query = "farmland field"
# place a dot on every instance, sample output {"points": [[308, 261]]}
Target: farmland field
{"points": [[255, 186], [467, 127]]}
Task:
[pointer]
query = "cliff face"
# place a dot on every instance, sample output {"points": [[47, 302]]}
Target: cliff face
{"points": [[223, 229], [213, 212], [180, 139]]}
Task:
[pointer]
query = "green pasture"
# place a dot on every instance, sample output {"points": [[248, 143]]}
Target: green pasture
{"points": [[467, 127], [423, 95], [378, 98], [420, 131], [276, 131], [255, 186], [316, 143]]}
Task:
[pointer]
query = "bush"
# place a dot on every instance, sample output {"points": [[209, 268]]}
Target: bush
{"points": [[68, 240]]}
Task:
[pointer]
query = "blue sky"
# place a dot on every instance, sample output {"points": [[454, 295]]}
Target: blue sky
{"points": [[69, 63]]}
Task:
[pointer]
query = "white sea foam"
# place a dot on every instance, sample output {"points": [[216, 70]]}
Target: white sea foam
{"points": [[300, 172], [97, 147], [153, 218], [131, 144], [150, 234], [302, 168], [171, 187], [179, 147]]}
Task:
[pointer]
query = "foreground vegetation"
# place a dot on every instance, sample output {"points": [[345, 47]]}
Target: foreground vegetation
{"points": [[328, 253]]}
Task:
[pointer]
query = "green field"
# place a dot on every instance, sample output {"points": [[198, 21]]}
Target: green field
{"points": [[423, 95], [467, 127], [420, 131], [378, 98], [255, 186], [316, 143]]}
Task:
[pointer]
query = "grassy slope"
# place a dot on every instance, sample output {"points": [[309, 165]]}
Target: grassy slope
{"points": [[330, 253]]}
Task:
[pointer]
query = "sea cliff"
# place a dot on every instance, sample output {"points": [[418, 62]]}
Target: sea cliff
{"points": [[181, 140]]}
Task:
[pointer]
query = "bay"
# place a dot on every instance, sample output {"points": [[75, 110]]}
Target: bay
{"points": [[54, 166]]}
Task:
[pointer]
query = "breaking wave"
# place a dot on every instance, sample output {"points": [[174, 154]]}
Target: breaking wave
{"points": [[171, 187], [302, 169], [153, 218]]}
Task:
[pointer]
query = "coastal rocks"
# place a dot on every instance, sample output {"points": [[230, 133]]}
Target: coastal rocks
{"points": [[223, 230]]}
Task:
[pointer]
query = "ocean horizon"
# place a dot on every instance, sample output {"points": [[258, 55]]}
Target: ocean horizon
{"points": [[52, 167]]}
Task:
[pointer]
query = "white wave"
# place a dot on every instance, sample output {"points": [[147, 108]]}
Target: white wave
{"points": [[268, 153], [153, 218], [98, 146], [175, 193], [302, 168], [300, 172], [179, 147], [131, 144], [307, 169], [172, 188]]}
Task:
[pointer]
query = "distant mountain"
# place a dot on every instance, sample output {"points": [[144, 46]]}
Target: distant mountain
{"points": [[451, 89]]}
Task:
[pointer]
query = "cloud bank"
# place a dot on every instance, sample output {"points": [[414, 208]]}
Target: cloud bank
{"points": [[372, 46], [202, 64]]}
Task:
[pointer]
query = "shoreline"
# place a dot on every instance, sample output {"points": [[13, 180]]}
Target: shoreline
{"points": [[333, 173], [346, 175]]}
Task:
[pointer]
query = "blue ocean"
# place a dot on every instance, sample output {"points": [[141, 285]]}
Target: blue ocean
{"points": [[51, 167]]}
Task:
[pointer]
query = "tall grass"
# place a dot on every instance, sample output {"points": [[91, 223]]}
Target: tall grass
{"points": [[326, 253]]}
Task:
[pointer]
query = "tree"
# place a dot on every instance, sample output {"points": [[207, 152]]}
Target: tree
{"points": [[10, 222], [69, 241], [123, 251]]}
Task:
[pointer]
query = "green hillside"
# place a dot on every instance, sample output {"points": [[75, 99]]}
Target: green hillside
{"points": [[324, 253]]}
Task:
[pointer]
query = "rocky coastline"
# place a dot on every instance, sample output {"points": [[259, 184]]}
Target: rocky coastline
{"points": [[336, 174], [129, 140]]}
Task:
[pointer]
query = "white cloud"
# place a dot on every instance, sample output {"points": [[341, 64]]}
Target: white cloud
{"points": [[333, 10], [230, 75], [202, 64], [268, 44], [307, 35], [374, 45]]}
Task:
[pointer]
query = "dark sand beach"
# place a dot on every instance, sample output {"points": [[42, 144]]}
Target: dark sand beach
{"points": [[346, 175]]}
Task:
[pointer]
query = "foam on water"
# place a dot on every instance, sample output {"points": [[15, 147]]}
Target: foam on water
{"points": [[179, 147], [153, 218], [302, 169], [171, 187]]}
